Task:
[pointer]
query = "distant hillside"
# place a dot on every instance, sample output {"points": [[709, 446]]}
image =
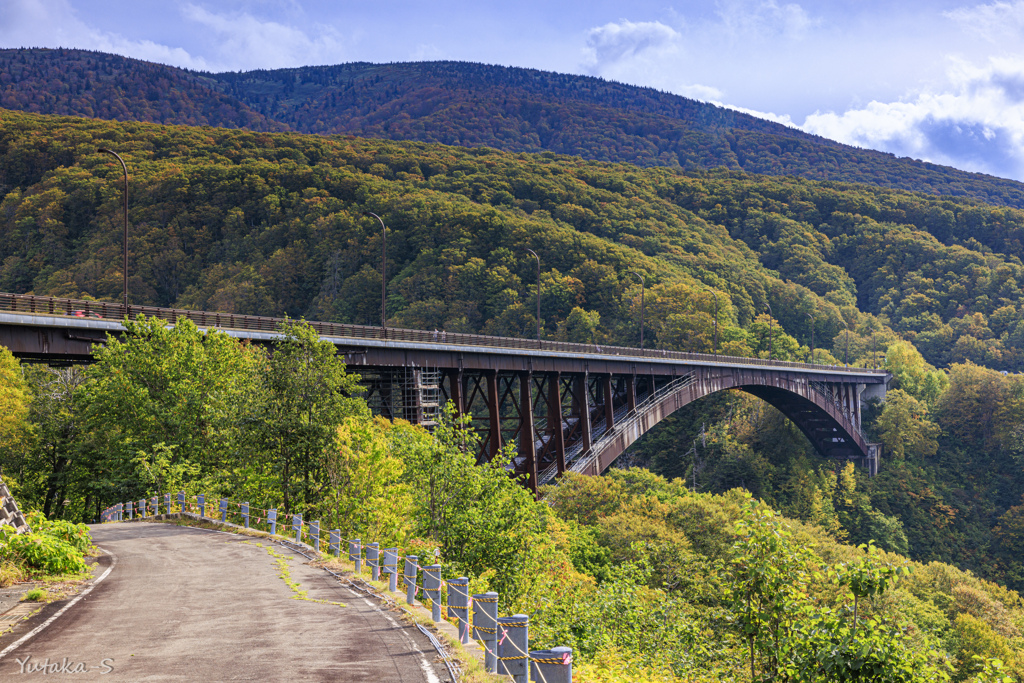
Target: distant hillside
{"points": [[469, 105], [103, 86]]}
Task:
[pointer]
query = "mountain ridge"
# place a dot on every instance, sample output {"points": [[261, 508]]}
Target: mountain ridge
{"points": [[467, 104]]}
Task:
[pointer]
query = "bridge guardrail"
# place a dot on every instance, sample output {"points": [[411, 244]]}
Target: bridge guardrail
{"points": [[40, 305], [505, 640]]}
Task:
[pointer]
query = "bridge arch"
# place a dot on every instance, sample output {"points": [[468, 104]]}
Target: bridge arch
{"points": [[827, 414]]}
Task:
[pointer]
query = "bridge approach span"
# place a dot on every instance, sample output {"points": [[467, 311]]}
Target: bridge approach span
{"points": [[566, 406]]}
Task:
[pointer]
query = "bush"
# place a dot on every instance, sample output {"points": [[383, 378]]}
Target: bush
{"points": [[40, 551], [75, 535]]}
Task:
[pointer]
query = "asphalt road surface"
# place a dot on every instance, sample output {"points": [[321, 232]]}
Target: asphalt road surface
{"points": [[185, 604]]}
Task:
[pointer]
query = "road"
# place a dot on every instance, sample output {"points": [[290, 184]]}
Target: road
{"points": [[184, 604]]}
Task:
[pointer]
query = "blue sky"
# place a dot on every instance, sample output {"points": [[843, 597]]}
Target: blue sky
{"points": [[940, 80]]}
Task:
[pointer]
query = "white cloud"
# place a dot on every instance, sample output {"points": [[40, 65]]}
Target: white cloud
{"points": [[247, 42], [977, 123], [53, 23], [993, 22], [616, 41], [759, 19], [704, 93]]}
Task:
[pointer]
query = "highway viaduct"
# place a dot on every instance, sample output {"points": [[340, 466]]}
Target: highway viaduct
{"points": [[566, 406]]}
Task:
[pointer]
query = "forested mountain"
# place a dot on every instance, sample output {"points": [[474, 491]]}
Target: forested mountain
{"points": [[469, 105], [273, 224]]}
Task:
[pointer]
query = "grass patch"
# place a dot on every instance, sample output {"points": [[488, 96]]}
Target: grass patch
{"points": [[11, 573], [36, 595], [286, 575]]}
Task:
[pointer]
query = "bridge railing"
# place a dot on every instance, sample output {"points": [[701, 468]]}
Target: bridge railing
{"points": [[41, 305], [505, 640]]}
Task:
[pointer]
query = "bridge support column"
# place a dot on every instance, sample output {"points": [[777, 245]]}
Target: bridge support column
{"points": [[493, 414], [631, 393], [527, 441], [557, 432], [457, 391], [582, 401], [609, 403]]}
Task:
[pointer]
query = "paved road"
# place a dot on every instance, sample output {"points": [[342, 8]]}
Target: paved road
{"points": [[186, 604]]}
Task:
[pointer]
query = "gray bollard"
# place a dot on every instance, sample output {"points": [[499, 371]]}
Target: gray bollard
{"points": [[485, 627], [355, 555], [314, 534], [410, 578], [142, 508], [245, 514], [391, 568], [513, 644], [181, 501], [551, 666], [202, 505], [373, 560], [120, 512], [272, 520], [155, 501], [131, 510], [167, 502], [334, 546], [297, 527], [458, 606], [432, 589], [223, 509]]}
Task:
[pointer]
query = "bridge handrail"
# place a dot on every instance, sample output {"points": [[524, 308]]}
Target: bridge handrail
{"points": [[55, 306]]}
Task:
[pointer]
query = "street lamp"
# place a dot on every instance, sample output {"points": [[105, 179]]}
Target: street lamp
{"points": [[538, 294], [846, 357], [642, 287], [715, 294], [811, 317], [124, 268], [383, 271], [771, 339]]}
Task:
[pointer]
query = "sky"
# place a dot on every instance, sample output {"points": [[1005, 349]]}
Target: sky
{"points": [[938, 80]]}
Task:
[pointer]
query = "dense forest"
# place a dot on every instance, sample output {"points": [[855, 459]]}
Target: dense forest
{"points": [[274, 223], [471, 105], [647, 580]]}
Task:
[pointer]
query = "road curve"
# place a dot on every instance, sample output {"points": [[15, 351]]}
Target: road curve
{"points": [[186, 604]]}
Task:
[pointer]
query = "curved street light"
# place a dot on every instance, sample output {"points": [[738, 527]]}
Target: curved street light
{"points": [[771, 336], [383, 271], [538, 294], [715, 294], [127, 312], [846, 357], [811, 318], [643, 286]]}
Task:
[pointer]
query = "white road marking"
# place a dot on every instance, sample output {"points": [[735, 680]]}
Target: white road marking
{"points": [[15, 645]]}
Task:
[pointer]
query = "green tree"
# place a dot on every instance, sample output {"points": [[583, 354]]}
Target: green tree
{"points": [[305, 395], [904, 427]]}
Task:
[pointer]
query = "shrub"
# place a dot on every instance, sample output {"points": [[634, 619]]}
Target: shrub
{"points": [[75, 535], [40, 551]]}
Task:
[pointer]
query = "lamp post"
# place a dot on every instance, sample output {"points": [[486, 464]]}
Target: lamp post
{"points": [[811, 318], [383, 272], [715, 294], [642, 287], [538, 294], [771, 339], [124, 268], [846, 357]]}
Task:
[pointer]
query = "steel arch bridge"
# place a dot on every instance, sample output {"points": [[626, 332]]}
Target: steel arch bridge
{"points": [[566, 406]]}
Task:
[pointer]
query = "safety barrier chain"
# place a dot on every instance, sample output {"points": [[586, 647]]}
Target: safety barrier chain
{"points": [[505, 640]]}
